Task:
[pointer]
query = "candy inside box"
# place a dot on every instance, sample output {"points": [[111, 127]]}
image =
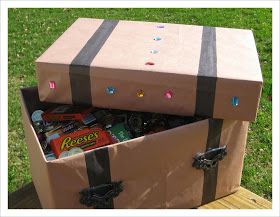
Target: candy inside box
{"points": [[66, 130]]}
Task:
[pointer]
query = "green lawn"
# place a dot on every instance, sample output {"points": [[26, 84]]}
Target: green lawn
{"points": [[31, 31]]}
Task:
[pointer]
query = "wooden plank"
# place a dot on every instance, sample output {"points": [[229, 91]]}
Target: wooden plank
{"points": [[26, 198], [242, 199], [257, 199]]}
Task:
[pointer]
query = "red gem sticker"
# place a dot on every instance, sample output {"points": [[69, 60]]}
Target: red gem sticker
{"points": [[52, 85], [149, 63]]}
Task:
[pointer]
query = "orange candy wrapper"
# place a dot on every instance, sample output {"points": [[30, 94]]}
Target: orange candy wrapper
{"points": [[85, 139]]}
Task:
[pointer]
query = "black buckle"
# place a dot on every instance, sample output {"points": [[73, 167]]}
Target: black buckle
{"points": [[99, 196], [210, 158]]}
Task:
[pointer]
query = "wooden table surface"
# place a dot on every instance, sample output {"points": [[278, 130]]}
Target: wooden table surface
{"points": [[26, 198]]}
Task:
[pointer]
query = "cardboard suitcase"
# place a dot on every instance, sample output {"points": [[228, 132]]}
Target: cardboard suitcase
{"points": [[150, 67], [179, 168], [153, 67]]}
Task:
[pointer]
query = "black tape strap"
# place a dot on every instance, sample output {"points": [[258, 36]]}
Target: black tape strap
{"points": [[79, 70], [207, 74], [210, 176], [98, 170]]}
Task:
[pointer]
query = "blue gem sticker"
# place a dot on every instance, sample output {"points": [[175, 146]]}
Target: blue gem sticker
{"points": [[110, 90], [157, 38], [234, 101]]}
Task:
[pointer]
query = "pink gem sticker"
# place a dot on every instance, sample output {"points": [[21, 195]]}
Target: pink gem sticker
{"points": [[52, 85], [168, 94]]}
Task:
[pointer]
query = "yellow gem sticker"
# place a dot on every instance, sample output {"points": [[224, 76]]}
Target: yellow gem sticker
{"points": [[140, 93]]}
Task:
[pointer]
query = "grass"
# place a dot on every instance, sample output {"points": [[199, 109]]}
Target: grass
{"points": [[31, 31]]}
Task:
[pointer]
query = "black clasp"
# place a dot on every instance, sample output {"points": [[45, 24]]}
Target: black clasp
{"points": [[210, 158], [100, 196]]}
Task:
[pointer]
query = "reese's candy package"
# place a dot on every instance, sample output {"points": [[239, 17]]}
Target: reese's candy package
{"points": [[86, 139], [66, 113]]}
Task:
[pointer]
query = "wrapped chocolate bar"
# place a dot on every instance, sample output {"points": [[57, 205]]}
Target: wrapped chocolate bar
{"points": [[119, 133], [85, 139], [66, 113]]}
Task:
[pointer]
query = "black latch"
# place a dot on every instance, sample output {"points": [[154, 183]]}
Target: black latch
{"points": [[210, 158], [99, 196]]}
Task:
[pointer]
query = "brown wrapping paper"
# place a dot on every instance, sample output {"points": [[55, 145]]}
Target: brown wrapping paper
{"points": [[156, 170], [226, 58]]}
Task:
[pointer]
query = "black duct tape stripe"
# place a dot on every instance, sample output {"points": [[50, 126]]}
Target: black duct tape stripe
{"points": [[207, 74], [79, 70], [98, 170], [210, 176]]}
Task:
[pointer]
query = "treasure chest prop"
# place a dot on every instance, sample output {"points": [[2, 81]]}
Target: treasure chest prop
{"points": [[153, 67], [212, 73]]}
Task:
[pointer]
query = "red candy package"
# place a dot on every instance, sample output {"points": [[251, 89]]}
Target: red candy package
{"points": [[66, 113]]}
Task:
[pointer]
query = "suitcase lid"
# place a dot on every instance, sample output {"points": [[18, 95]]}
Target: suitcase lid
{"points": [[154, 67]]}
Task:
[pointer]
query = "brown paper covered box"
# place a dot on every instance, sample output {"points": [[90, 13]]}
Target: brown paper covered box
{"points": [[176, 69], [163, 170]]}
